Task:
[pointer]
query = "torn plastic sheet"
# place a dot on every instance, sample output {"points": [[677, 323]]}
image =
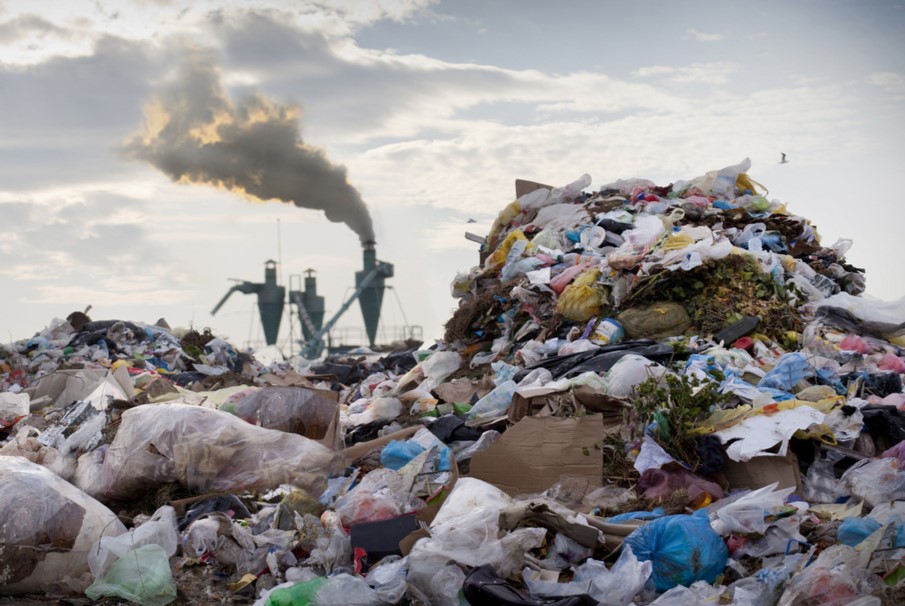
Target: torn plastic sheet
{"points": [[755, 435]]}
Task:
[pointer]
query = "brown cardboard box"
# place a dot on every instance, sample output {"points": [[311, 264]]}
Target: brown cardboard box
{"points": [[763, 471], [569, 401], [532, 454]]}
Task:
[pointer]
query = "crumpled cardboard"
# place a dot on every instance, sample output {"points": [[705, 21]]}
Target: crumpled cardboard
{"points": [[532, 454]]}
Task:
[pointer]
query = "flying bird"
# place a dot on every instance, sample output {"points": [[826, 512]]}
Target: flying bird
{"points": [[783, 161], [471, 221]]}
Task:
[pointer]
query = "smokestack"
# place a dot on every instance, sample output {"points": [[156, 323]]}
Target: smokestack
{"points": [[195, 134], [371, 297]]}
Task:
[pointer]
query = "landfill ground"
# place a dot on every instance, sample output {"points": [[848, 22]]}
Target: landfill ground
{"points": [[648, 394]]}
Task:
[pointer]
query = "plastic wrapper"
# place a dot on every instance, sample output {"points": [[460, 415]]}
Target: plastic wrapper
{"points": [[683, 549], [142, 576], [48, 527], [203, 449]]}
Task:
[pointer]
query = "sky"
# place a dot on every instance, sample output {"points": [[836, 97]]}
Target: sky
{"points": [[118, 121]]}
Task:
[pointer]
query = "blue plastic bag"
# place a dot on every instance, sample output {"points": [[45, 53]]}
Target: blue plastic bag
{"points": [[684, 549], [791, 369], [853, 531], [396, 454], [659, 512]]}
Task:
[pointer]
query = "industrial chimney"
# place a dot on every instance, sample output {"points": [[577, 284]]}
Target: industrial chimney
{"points": [[372, 277]]}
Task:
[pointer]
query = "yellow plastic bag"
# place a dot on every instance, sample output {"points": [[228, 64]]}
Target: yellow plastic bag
{"points": [[498, 258], [678, 241], [583, 298], [746, 182]]}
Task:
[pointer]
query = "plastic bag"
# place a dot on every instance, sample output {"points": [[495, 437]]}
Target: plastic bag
{"points": [[142, 575], [722, 182], [614, 587], [397, 454], [299, 410], [13, 405], [378, 409], [791, 369], [629, 372], [484, 587], [750, 513], [466, 530], [683, 549], [565, 551], [699, 594], [381, 494], [203, 449], [433, 580], [836, 578], [388, 578], [875, 481], [583, 299], [159, 530], [346, 589], [494, 404], [300, 594], [41, 545], [437, 367], [563, 279]]}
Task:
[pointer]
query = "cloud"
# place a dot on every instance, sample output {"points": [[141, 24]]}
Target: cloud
{"points": [[717, 72], [69, 29], [891, 82], [702, 36]]}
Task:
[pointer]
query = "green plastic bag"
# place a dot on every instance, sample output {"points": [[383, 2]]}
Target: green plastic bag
{"points": [[300, 594], [142, 576]]}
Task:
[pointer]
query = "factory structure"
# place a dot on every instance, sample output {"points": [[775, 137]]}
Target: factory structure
{"points": [[315, 336]]}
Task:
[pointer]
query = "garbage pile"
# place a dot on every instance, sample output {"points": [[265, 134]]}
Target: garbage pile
{"points": [[668, 395]]}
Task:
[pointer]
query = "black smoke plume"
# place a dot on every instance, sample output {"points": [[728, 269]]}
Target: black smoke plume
{"points": [[195, 134]]}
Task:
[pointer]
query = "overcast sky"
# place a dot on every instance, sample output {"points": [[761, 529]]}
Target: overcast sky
{"points": [[433, 108]]}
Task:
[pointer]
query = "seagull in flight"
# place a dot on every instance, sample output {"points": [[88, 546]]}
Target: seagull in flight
{"points": [[783, 161]]}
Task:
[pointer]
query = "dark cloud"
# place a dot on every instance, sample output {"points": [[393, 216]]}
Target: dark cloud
{"points": [[65, 118], [350, 97], [25, 25]]}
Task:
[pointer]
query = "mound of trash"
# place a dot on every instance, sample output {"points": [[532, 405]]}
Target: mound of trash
{"points": [[664, 395]]}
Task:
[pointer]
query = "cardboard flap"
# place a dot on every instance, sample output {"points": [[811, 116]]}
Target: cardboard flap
{"points": [[532, 454]]}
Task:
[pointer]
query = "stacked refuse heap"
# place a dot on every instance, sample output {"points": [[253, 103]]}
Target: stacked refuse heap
{"points": [[669, 395]]}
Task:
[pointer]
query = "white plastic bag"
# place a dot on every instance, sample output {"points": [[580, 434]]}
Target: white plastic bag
{"points": [[159, 530], [48, 527], [202, 449]]}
